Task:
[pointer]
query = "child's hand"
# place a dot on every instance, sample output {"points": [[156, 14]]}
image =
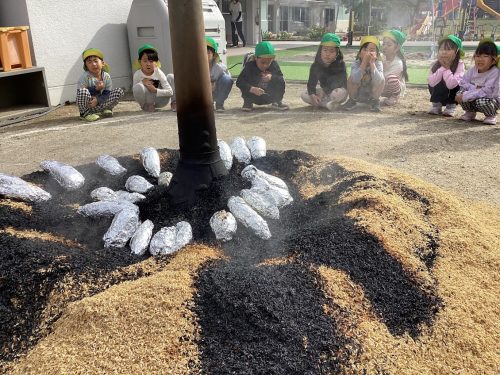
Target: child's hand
{"points": [[444, 63], [373, 57], [257, 91], [459, 98], [149, 84], [316, 100], [266, 76], [93, 102], [99, 85], [366, 59]]}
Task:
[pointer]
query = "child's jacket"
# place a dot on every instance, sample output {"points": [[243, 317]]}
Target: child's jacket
{"points": [[88, 81], [251, 74], [217, 70], [475, 85], [451, 79], [395, 68], [362, 76], [164, 89], [330, 77]]}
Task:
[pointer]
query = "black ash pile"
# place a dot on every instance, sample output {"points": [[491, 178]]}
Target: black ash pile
{"points": [[255, 316]]}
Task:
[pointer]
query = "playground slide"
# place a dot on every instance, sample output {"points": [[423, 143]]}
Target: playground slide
{"points": [[422, 26], [489, 7]]}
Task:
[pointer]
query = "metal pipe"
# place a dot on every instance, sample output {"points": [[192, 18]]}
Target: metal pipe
{"points": [[200, 160]]}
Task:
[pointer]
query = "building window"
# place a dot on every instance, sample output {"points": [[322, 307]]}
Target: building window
{"points": [[283, 18], [299, 14], [329, 16]]}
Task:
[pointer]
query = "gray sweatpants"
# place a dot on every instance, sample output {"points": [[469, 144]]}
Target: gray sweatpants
{"points": [[143, 96]]}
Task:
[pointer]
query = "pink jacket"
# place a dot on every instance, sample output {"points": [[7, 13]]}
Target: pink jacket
{"points": [[451, 80]]}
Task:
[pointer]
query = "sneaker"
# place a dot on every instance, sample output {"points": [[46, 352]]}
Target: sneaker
{"points": [[435, 110], [173, 106], [375, 105], [247, 107], [391, 100], [107, 113], [332, 106], [219, 107], [91, 117], [490, 120], [468, 116], [449, 111], [281, 106], [350, 104]]}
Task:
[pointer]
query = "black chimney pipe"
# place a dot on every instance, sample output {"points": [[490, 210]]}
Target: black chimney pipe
{"points": [[200, 161]]}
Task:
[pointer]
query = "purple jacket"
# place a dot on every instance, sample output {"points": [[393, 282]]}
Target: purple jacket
{"points": [[451, 79], [477, 85]]}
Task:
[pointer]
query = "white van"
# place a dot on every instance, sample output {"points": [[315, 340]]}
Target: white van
{"points": [[148, 23]]}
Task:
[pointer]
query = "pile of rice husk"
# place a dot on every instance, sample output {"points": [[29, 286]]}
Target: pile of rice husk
{"points": [[368, 271]]}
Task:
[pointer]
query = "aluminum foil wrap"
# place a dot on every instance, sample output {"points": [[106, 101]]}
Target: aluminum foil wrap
{"points": [[151, 161], [15, 187], [106, 208], [262, 203], [164, 178], [280, 196], [223, 225], [138, 184], [249, 217], [110, 165], [170, 239], [184, 234], [225, 154], [67, 176], [240, 150], [140, 240], [107, 194], [257, 147], [250, 172], [103, 194], [123, 226]]}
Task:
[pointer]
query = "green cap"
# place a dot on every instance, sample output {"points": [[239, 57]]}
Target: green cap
{"points": [[212, 44], [398, 36], [457, 41], [264, 49], [146, 47], [330, 39]]}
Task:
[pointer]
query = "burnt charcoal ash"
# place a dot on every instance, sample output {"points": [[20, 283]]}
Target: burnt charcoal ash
{"points": [[266, 320], [269, 318]]}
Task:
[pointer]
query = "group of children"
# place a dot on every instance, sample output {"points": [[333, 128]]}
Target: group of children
{"points": [[373, 80]]}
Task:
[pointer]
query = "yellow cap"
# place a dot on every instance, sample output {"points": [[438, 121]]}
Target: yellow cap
{"points": [[370, 39], [92, 52]]}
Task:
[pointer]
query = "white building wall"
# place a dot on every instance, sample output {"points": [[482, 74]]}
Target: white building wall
{"points": [[62, 29]]}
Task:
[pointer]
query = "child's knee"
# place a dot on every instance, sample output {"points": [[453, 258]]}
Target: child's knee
{"points": [[83, 92], [338, 95]]}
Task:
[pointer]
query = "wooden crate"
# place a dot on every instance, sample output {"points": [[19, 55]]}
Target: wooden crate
{"points": [[14, 48]]}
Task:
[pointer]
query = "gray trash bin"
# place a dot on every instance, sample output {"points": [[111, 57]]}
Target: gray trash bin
{"points": [[148, 23]]}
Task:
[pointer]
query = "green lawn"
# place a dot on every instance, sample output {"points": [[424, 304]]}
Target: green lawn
{"points": [[299, 71]]}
